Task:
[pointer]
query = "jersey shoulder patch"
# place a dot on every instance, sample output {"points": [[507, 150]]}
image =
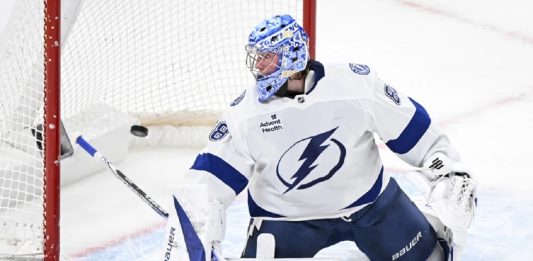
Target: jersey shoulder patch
{"points": [[219, 132], [392, 94], [360, 69], [239, 99]]}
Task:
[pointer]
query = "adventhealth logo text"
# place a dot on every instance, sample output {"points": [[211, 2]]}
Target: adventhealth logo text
{"points": [[271, 125]]}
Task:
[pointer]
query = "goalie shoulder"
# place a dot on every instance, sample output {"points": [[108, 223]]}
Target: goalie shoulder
{"points": [[240, 106], [360, 69], [363, 75], [238, 99]]}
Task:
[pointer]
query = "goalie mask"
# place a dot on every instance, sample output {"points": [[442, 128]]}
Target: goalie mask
{"points": [[277, 49]]}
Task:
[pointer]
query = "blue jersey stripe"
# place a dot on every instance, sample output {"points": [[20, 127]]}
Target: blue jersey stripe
{"points": [[257, 211], [413, 132], [222, 170], [371, 194]]}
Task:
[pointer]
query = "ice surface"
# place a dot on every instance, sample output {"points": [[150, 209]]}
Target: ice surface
{"points": [[469, 62]]}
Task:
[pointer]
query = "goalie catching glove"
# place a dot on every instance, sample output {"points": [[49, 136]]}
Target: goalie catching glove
{"points": [[452, 195]]}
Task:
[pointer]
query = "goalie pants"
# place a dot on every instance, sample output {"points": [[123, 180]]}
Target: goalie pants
{"points": [[391, 228]]}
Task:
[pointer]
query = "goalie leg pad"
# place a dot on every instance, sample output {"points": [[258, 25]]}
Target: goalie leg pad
{"points": [[195, 225]]}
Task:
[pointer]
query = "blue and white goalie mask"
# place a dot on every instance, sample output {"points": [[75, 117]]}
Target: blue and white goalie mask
{"points": [[277, 49]]}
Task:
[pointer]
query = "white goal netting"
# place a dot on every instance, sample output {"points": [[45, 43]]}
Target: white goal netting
{"points": [[150, 62]]}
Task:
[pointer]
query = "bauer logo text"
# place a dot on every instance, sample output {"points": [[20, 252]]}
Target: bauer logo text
{"points": [[408, 247], [170, 243]]}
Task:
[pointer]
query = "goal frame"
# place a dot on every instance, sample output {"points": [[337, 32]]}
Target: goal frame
{"points": [[52, 117], [51, 127]]}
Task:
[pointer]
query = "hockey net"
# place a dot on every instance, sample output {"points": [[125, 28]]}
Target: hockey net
{"points": [[160, 63]]}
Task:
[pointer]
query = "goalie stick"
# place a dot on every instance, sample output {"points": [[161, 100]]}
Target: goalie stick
{"points": [[97, 155], [157, 208]]}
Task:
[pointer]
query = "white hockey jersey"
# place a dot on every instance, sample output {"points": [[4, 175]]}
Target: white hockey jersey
{"points": [[314, 155]]}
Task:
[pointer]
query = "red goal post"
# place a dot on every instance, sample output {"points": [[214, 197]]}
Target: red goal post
{"points": [[119, 63], [51, 128]]}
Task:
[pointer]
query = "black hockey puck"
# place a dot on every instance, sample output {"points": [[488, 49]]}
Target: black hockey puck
{"points": [[139, 131]]}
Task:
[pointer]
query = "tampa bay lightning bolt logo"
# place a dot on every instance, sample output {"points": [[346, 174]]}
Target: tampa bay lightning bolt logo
{"points": [[360, 68], [304, 177]]}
